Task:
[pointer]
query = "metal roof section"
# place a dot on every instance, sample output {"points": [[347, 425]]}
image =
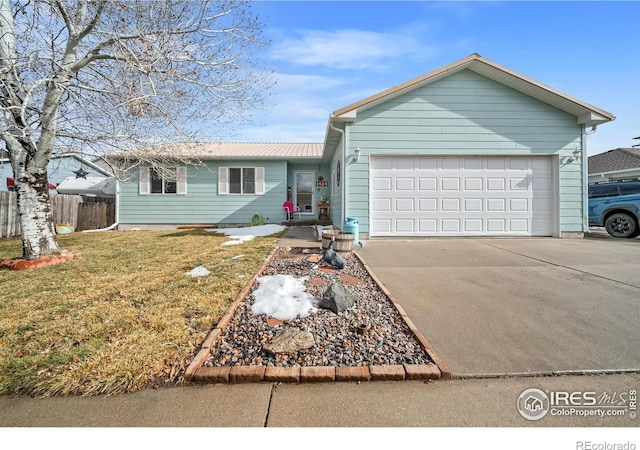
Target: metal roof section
{"points": [[235, 150], [585, 113], [619, 159]]}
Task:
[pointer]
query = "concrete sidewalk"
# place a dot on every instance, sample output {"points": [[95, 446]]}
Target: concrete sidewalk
{"points": [[452, 403]]}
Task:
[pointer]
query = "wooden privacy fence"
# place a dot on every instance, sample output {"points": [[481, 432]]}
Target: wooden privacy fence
{"points": [[82, 214]]}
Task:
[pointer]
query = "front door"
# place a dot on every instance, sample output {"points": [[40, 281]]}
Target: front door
{"points": [[304, 192]]}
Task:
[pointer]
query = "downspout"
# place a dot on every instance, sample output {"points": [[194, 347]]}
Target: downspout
{"points": [[343, 171], [113, 226], [585, 179]]}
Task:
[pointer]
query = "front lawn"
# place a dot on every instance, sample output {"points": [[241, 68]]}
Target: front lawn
{"points": [[123, 316]]}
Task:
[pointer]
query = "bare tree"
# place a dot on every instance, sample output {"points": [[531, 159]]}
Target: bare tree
{"points": [[98, 75]]}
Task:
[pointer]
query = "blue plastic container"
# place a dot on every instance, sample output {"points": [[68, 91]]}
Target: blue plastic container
{"points": [[352, 225]]}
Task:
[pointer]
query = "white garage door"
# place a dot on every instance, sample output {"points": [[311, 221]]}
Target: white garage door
{"points": [[461, 196]]}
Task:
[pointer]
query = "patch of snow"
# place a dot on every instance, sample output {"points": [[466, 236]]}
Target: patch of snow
{"points": [[237, 240], [283, 297], [238, 256], [241, 235], [199, 271]]}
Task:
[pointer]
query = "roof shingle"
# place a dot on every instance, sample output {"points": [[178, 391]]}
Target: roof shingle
{"points": [[613, 160]]}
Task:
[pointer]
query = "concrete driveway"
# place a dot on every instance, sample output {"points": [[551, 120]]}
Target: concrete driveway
{"points": [[517, 306]]}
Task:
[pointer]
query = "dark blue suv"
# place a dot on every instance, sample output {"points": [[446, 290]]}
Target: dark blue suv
{"points": [[616, 206]]}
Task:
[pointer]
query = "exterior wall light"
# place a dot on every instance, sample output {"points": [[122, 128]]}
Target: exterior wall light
{"points": [[356, 154], [576, 155]]}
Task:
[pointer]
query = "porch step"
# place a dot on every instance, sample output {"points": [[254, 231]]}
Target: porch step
{"points": [[292, 223]]}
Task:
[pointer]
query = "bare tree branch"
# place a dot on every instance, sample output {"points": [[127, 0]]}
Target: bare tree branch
{"points": [[99, 75]]}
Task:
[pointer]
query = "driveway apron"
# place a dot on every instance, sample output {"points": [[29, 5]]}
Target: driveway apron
{"points": [[518, 306]]}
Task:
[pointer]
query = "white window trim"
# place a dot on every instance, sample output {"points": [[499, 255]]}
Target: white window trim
{"points": [[223, 180], [144, 187]]}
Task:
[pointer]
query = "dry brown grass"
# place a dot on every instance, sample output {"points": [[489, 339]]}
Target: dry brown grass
{"points": [[122, 317]]}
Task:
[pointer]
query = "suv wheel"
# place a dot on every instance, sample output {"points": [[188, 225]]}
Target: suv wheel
{"points": [[621, 225]]}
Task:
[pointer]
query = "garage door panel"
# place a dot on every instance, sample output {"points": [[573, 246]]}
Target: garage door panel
{"points": [[473, 164], [381, 226], [451, 225], [381, 184], [473, 205], [428, 204], [405, 205], [519, 225], [450, 184], [404, 225], [518, 205], [496, 205], [496, 225], [381, 205], [427, 225], [431, 196], [496, 184], [473, 184], [473, 225], [427, 163], [518, 184], [428, 184], [496, 164], [450, 204], [404, 164], [405, 184]]}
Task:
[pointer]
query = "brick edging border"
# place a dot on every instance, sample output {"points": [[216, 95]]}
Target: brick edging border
{"points": [[255, 374]]}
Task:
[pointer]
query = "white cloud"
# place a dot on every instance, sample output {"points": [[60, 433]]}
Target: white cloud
{"points": [[350, 49]]}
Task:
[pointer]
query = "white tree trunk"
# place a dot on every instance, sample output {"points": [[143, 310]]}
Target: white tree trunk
{"points": [[36, 215]]}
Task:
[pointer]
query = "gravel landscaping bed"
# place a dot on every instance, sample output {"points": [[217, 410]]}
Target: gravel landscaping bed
{"points": [[386, 341]]}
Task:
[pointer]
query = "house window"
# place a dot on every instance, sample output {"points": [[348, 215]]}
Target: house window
{"points": [[172, 181], [162, 184], [241, 180]]}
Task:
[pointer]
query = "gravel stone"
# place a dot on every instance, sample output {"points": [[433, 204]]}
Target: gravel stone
{"points": [[387, 341]]}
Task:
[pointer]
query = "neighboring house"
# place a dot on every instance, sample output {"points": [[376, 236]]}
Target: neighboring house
{"points": [[60, 167], [617, 164], [471, 149]]}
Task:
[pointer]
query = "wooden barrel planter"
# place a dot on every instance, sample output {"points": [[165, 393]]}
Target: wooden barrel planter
{"points": [[343, 240]]}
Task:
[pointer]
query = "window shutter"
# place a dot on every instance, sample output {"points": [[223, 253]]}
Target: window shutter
{"points": [[259, 180], [223, 180], [181, 179], [145, 182]]}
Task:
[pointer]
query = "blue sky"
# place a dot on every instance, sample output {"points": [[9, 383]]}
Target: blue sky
{"points": [[326, 55]]}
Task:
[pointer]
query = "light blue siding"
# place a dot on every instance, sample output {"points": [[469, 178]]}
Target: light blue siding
{"points": [[202, 204], [466, 114]]}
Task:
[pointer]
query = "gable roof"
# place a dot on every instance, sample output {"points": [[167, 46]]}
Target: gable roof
{"points": [[585, 113], [615, 160]]}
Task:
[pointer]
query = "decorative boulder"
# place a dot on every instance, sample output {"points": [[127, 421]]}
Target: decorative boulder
{"points": [[290, 340], [337, 298]]}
